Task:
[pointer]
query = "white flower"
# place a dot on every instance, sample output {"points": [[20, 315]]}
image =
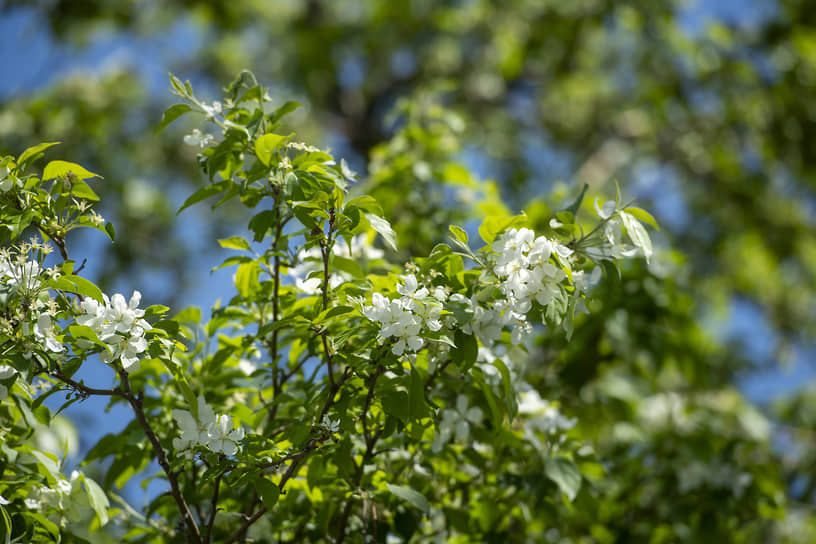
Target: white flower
{"points": [[133, 346], [545, 417], [329, 425], [121, 316], [196, 138], [189, 430], [211, 431], [222, 436], [396, 320], [608, 208], [118, 324], [23, 274], [410, 291], [456, 422], [94, 313], [43, 330], [212, 111]]}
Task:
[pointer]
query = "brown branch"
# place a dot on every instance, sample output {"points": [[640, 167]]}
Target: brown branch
{"points": [[136, 403], [84, 389], [213, 510]]}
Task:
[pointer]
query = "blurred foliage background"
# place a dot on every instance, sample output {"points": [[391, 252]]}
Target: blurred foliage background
{"points": [[688, 374]]}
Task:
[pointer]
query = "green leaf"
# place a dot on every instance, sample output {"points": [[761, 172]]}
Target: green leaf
{"points": [[109, 228], [507, 388], [466, 350], [31, 153], [366, 203], [261, 223], [332, 312], [171, 114], [493, 225], [384, 229], [459, 233], [563, 472], [573, 208], [55, 169], [234, 242], [47, 460], [266, 145], [395, 403], [190, 314], [643, 215], [287, 108], [6, 525], [78, 285], [204, 193], [416, 396], [81, 189], [246, 278], [411, 496], [349, 266], [98, 499], [83, 331], [268, 492]]}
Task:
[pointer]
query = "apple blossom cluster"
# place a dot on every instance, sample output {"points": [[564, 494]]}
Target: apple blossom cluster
{"points": [[119, 325], [65, 497], [528, 269], [21, 274], [22, 278], [404, 318], [310, 263], [212, 431]]}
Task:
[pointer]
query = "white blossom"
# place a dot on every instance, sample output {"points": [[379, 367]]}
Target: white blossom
{"points": [[196, 138], [222, 437], [118, 324], [44, 330], [209, 430], [456, 422]]}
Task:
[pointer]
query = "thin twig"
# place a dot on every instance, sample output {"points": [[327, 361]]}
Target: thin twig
{"points": [[84, 389], [213, 509]]}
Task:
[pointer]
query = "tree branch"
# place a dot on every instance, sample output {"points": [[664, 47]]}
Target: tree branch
{"points": [[213, 509], [83, 389], [136, 403]]}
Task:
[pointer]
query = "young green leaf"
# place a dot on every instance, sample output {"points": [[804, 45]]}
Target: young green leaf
{"points": [[31, 153], [266, 145], [268, 492], [98, 499], [384, 229], [55, 169], [171, 114], [234, 242], [411, 496], [643, 216], [563, 472]]}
